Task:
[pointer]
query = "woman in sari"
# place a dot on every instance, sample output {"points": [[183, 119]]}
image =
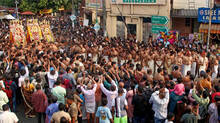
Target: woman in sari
{"points": [[27, 90]]}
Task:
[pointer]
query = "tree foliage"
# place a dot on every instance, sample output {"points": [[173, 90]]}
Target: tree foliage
{"points": [[37, 5]]}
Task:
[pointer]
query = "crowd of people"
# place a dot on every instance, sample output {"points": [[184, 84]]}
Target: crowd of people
{"points": [[86, 76]]}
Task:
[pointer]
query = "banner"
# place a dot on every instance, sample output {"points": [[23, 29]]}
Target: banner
{"points": [[17, 34], [33, 30], [46, 30]]}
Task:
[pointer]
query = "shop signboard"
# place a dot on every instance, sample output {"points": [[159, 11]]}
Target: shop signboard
{"points": [[203, 15], [94, 3], [161, 2]]}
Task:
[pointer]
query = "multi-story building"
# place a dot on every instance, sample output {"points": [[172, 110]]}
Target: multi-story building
{"points": [[134, 16]]}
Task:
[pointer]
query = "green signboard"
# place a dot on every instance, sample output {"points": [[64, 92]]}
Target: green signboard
{"points": [[159, 20], [139, 1], [157, 29]]}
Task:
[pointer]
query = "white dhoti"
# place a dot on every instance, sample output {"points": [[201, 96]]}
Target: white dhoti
{"points": [[186, 69], [159, 63], [115, 59], [95, 58], [193, 68], [202, 68], [106, 58], [151, 65], [122, 62], [215, 72]]}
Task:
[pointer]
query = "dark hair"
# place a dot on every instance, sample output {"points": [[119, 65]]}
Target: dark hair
{"points": [[195, 103], [54, 99], [68, 69], [205, 94], [138, 67], [179, 79], [5, 107], [112, 88], [188, 110], [217, 88], [170, 116], [70, 97], [188, 73], [61, 107], [63, 120], [38, 87], [23, 72], [140, 89], [104, 101], [176, 67], [159, 70]]}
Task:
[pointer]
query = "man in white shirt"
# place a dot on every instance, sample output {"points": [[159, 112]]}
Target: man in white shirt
{"points": [[7, 116], [111, 94], [160, 100], [24, 74], [52, 76], [3, 98]]}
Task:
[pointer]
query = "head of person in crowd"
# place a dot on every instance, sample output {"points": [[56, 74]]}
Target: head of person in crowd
{"points": [[176, 68], [120, 91], [104, 101], [61, 107], [160, 71], [23, 72], [5, 107], [188, 109], [52, 71], [162, 92], [38, 87], [63, 120], [58, 83]]}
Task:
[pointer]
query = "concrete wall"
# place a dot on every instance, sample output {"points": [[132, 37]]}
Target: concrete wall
{"points": [[179, 25], [184, 4]]}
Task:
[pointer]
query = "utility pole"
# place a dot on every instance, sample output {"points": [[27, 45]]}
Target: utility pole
{"points": [[104, 15], [16, 4], [210, 22], [96, 11], [72, 7]]}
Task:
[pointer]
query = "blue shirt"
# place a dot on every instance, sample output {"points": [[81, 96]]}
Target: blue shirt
{"points": [[104, 114], [51, 109]]}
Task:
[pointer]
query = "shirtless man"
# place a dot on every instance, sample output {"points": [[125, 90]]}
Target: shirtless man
{"points": [[168, 60], [176, 73], [179, 60], [187, 61], [158, 59]]}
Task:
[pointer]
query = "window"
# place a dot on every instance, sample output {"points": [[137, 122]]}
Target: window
{"points": [[187, 22]]}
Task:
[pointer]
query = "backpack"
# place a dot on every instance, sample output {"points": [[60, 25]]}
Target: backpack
{"points": [[8, 89]]}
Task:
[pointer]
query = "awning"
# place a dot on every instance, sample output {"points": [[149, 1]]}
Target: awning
{"points": [[215, 28]]}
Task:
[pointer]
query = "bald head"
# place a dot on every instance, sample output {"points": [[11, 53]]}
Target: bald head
{"points": [[121, 84]]}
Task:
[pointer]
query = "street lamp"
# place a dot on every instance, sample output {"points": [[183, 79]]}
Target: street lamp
{"points": [[16, 3]]}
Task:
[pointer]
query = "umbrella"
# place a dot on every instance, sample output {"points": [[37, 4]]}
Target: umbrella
{"points": [[9, 17], [27, 13]]}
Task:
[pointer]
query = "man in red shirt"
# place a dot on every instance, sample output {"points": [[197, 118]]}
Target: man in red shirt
{"points": [[216, 93], [39, 101]]}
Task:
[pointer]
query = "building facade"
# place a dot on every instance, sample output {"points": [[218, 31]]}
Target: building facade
{"points": [[184, 14], [133, 17]]}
